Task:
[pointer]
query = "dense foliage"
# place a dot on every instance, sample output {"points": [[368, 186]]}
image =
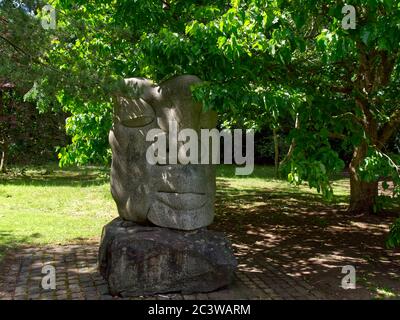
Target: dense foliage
{"points": [[27, 136], [287, 64]]}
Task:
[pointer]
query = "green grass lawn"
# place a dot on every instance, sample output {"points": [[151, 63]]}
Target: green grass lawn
{"points": [[263, 177], [49, 205]]}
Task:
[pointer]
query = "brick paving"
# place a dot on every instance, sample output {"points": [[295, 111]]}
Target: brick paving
{"points": [[77, 278]]}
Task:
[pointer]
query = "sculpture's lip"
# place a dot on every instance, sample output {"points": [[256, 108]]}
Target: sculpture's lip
{"points": [[182, 200]]}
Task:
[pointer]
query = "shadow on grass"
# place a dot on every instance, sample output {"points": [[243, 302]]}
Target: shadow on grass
{"points": [[9, 242], [226, 191], [263, 172], [52, 175], [306, 237]]}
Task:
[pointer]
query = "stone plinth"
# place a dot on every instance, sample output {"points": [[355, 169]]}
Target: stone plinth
{"points": [[143, 260]]}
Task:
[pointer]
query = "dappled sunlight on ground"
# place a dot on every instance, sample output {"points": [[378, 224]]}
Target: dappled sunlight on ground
{"points": [[295, 230], [270, 223]]}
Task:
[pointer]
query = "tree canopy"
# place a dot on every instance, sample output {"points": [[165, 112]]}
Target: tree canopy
{"points": [[281, 62]]}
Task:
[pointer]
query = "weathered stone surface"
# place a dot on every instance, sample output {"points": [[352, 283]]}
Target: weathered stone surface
{"points": [[140, 260], [174, 195]]}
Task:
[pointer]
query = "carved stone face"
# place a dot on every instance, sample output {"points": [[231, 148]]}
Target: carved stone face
{"points": [[172, 195]]}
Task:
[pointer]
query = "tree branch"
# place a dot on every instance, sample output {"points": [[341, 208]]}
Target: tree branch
{"points": [[338, 136], [351, 115], [344, 90], [292, 145], [390, 127], [15, 46]]}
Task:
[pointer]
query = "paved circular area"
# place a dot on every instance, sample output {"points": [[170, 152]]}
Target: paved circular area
{"points": [[77, 278]]}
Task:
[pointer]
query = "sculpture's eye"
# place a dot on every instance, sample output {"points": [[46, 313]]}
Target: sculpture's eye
{"points": [[134, 113]]}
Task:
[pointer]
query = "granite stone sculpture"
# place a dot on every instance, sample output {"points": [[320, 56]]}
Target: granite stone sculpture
{"points": [[173, 196], [160, 242]]}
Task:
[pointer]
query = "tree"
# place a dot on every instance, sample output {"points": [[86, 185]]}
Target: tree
{"points": [[290, 61], [360, 67], [7, 122], [347, 78], [27, 136]]}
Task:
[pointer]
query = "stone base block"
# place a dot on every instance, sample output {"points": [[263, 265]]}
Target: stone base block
{"points": [[144, 260]]}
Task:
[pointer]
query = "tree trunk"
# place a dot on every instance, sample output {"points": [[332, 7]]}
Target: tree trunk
{"points": [[276, 151], [3, 158], [292, 144], [362, 194]]}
